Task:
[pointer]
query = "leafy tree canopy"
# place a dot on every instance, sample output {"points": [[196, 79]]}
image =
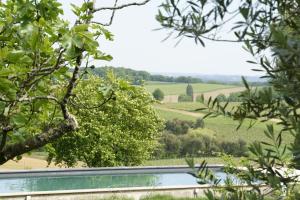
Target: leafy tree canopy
{"points": [[119, 127], [38, 51]]}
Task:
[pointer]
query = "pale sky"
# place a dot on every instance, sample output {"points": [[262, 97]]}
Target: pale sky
{"points": [[136, 45]]}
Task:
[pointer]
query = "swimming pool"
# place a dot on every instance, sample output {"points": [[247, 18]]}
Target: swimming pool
{"points": [[97, 179]]}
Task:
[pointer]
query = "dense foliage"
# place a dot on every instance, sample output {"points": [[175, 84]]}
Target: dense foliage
{"points": [[270, 32], [179, 127], [187, 138], [118, 127], [158, 94], [37, 50], [185, 98], [238, 96], [41, 56]]}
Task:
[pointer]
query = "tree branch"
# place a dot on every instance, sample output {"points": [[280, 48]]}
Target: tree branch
{"points": [[111, 17], [121, 6], [49, 135], [30, 99], [3, 140], [71, 86], [81, 105]]}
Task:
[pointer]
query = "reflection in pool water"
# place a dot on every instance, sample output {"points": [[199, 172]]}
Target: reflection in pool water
{"points": [[71, 182]]}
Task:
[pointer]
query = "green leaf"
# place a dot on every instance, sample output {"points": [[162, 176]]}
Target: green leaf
{"points": [[7, 88], [101, 56], [77, 41], [19, 119], [245, 83], [19, 57], [244, 11], [76, 10], [81, 28]]}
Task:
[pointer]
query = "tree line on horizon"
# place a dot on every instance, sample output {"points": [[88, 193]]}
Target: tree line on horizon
{"points": [[138, 77]]}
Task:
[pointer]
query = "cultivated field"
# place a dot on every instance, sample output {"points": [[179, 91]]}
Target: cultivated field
{"points": [[173, 90], [179, 88], [181, 161]]}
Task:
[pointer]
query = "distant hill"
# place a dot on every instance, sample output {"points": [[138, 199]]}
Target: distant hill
{"points": [[138, 77], [217, 77]]}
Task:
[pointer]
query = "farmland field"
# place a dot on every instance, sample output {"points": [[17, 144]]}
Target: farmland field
{"points": [[181, 161], [179, 88], [192, 106], [225, 128]]}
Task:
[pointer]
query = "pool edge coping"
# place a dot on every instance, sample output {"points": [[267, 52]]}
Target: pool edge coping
{"points": [[61, 170], [116, 190]]}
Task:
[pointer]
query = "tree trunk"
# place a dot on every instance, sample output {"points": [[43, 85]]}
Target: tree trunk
{"points": [[49, 135]]}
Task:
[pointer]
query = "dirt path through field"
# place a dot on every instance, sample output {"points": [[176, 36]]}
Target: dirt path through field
{"points": [[197, 114], [213, 94], [181, 112]]}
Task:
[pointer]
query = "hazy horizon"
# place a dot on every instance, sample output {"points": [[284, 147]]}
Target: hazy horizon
{"points": [[138, 47]]}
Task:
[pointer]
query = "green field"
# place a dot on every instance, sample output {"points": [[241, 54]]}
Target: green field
{"points": [[191, 106], [181, 161], [225, 128], [179, 88]]}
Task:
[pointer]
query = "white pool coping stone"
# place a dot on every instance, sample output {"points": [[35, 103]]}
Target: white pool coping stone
{"points": [[100, 171]]}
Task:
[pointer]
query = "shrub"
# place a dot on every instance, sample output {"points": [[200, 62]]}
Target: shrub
{"points": [[191, 145], [195, 142], [237, 148], [178, 127], [158, 94], [199, 142], [199, 98], [221, 97], [189, 90], [199, 123], [171, 145], [234, 97], [185, 98]]}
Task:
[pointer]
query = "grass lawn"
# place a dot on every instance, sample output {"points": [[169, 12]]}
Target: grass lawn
{"points": [[179, 88]]}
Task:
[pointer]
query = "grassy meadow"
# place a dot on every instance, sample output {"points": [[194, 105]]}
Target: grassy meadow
{"points": [[225, 128], [181, 161], [191, 106], [179, 88]]}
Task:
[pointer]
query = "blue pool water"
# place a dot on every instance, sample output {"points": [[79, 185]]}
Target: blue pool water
{"points": [[73, 182]]}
